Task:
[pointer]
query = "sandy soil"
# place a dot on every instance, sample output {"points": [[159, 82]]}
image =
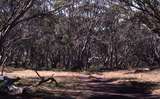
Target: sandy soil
{"points": [[153, 76], [83, 85]]}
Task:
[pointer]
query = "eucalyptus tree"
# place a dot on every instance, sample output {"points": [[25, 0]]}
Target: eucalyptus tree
{"points": [[15, 14], [147, 13]]}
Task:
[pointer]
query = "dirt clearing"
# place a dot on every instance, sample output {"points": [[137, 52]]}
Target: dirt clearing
{"points": [[84, 85]]}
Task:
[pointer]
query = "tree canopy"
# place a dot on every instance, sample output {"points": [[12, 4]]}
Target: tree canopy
{"points": [[79, 34]]}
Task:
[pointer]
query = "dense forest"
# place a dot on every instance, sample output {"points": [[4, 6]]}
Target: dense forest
{"points": [[80, 49], [80, 34]]}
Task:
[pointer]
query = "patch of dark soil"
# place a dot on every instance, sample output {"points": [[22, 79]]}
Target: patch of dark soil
{"points": [[36, 95], [123, 90]]}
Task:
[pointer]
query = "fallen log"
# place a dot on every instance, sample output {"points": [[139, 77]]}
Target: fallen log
{"points": [[140, 70], [7, 85]]}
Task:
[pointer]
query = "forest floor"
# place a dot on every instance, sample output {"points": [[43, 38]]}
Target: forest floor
{"points": [[85, 85]]}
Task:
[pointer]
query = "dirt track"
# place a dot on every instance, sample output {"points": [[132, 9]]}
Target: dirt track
{"points": [[148, 76], [110, 85]]}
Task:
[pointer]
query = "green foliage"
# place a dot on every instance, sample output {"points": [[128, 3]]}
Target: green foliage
{"points": [[58, 3]]}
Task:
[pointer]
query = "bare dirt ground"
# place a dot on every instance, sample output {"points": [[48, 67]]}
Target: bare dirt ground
{"points": [[84, 85]]}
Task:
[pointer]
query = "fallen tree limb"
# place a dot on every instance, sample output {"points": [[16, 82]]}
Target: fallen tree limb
{"points": [[45, 79], [51, 79], [3, 66], [141, 70]]}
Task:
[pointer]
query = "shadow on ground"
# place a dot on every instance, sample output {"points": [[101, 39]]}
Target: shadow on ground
{"points": [[36, 95], [96, 88], [125, 89]]}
